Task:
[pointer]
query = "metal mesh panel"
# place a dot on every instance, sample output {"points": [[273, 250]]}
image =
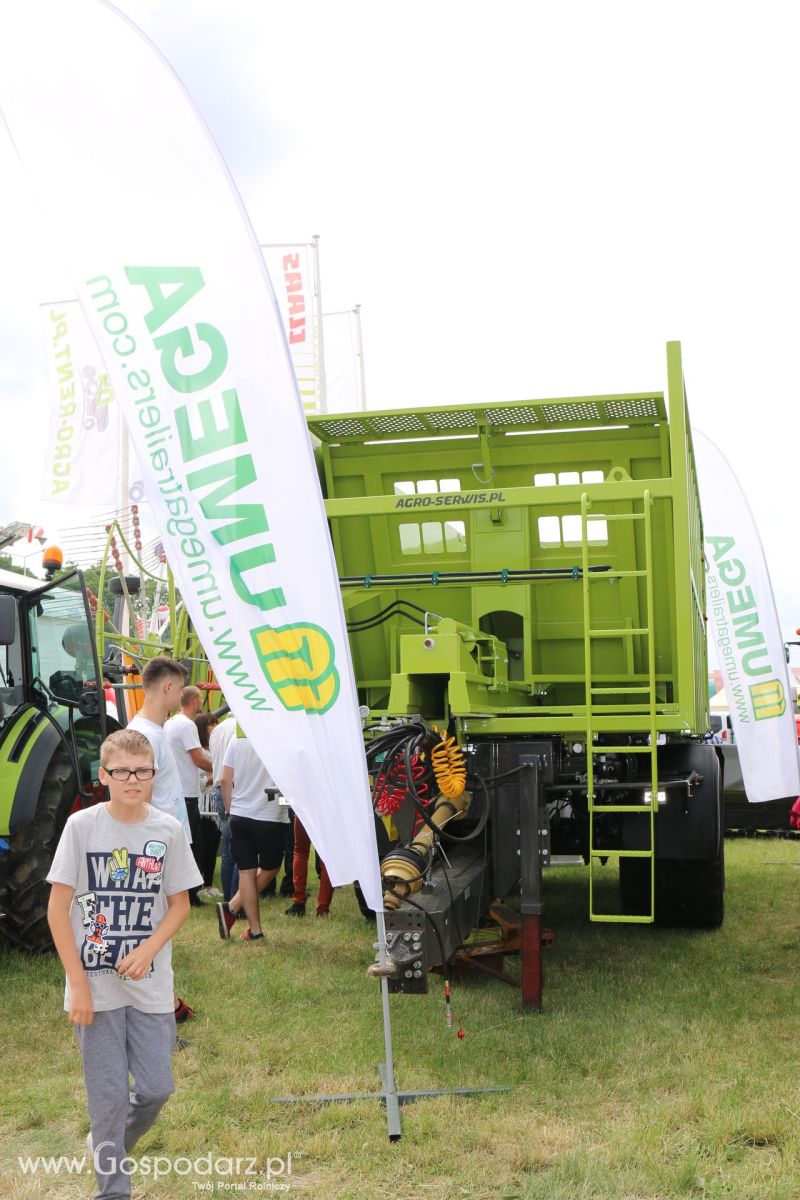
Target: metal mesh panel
{"points": [[555, 413], [523, 415], [398, 423], [451, 420], [648, 406], [344, 428], [501, 418]]}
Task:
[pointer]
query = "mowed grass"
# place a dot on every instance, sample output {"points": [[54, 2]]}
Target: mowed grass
{"points": [[665, 1063]]}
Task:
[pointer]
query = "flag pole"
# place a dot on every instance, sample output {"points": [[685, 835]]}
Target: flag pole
{"points": [[123, 498], [323, 394], [122, 502], [391, 1098], [360, 354]]}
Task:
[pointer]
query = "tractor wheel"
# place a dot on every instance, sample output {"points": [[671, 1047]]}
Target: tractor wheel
{"points": [[31, 852]]}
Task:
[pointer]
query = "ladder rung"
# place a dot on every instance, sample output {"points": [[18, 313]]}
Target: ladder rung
{"points": [[621, 750], [643, 808], [592, 516], [618, 632], [621, 853], [620, 691], [637, 709], [621, 919]]}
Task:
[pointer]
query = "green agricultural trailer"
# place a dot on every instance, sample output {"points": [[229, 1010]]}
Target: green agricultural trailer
{"points": [[52, 723], [527, 578]]}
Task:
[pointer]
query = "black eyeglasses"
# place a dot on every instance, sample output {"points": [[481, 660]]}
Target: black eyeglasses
{"points": [[122, 774]]}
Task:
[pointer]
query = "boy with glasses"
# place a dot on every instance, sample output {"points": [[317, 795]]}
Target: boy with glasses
{"points": [[120, 880]]}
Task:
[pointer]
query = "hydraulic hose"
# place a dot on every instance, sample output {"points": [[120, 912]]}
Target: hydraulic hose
{"points": [[449, 767], [403, 870]]}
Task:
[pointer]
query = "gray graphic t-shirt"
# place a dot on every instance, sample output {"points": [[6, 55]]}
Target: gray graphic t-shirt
{"points": [[122, 875]]}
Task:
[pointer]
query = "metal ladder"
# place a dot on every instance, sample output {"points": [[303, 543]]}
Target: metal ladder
{"points": [[594, 709]]}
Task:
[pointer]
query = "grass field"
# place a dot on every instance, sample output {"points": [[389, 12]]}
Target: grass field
{"points": [[665, 1064]]}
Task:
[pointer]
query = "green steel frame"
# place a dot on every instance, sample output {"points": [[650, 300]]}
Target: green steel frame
{"points": [[638, 447], [554, 551]]}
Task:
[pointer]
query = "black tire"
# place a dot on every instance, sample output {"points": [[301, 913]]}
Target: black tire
{"points": [[689, 892], [31, 852], [689, 895], [634, 886]]}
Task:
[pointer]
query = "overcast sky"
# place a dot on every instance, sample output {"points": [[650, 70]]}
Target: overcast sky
{"points": [[527, 199]]}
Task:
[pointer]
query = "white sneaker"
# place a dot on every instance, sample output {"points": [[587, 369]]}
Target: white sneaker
{"points": [[210, 893]]}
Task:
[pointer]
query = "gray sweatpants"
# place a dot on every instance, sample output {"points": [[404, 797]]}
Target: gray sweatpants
{"points": [[117, 1043]]}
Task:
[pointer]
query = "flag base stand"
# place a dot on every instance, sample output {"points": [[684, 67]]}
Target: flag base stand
{"points": [[392, 1099], [390, 1096]]}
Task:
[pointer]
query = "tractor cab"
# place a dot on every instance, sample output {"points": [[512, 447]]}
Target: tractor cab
{"points": [[52, 723]]}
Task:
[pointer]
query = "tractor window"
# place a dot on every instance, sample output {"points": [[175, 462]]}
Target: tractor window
{"points": [[11, 676], [61, 643]]}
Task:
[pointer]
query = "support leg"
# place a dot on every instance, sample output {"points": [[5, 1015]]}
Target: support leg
{"points": [[532, 963], [531, 815]]}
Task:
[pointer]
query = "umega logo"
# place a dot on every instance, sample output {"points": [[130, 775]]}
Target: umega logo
{"points": [[747, 641], [735, 599], [298, 661], [768, 699]]}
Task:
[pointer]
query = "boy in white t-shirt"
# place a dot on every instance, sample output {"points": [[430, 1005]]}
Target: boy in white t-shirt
{"points": [[259, 827], [190, 758], [163, 680]]}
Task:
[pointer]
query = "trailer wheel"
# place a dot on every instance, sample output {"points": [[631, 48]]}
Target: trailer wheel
{"points": [[689, 894], [31, 852], [634, 886], [689, 891]]}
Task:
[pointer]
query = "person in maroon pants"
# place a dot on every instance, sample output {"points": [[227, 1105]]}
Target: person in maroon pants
{"points": [[302, 848]]}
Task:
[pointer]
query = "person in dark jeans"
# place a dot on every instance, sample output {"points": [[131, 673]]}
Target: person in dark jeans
{"points": [[190, 758], [210, 830], [218, 744]]}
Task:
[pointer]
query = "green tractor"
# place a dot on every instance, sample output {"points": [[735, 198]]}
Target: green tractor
{"points": [[52, 723]]}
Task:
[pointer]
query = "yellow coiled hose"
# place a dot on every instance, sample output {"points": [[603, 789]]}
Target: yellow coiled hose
{"points": [[449, 768]]}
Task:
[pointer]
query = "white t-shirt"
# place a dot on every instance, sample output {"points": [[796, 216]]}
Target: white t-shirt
{"points": [[167, 790], [250, 780], [183, 736], [123, 875], [218, 744]]}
